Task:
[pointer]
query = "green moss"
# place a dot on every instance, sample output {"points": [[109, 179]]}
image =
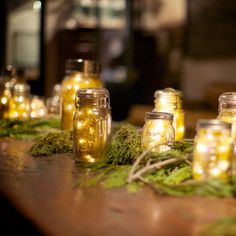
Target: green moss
{"points": [[179, 175], [134, 187], [208, 188], [124, 146], [117, 178], [53, 143], [29, 129]]}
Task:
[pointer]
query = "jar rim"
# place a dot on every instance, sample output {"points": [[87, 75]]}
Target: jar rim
{"points": [[212, 123], [92, 92], [168, 92], [158, 115], [227, 96]]}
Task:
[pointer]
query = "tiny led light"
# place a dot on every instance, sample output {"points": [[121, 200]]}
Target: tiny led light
{"points": [[201, 148], [4, 100]]}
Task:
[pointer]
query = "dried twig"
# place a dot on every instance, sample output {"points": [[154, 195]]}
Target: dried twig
{"points": [[139, 158], [137, 174], [133, 176]]}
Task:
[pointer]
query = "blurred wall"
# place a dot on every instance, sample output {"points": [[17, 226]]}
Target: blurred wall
{"points": [[23, 36], [2, 32], [209, 65], [200, 77]]}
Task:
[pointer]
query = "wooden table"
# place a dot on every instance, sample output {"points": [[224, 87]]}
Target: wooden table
{"points": [[44, 190]]}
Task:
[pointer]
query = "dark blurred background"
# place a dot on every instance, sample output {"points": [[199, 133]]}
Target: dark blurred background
{"points": [[143, 45]]}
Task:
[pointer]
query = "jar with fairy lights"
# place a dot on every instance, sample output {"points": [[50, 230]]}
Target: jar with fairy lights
{"points": [[37, 107], [170, 100], [158, 131], [8, 79], [92, 124], [213, 150], [227, 110], [79, 74], [19, 104]]}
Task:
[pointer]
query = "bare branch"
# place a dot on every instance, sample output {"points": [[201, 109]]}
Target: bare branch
{"points": [[158, 165]]}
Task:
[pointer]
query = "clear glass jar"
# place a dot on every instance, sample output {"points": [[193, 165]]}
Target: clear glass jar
{"points": [[227, 110], [213, 150], [79, 74], [170, 100], [8, 79], [91, 124], [157, 129], [19, 104]]}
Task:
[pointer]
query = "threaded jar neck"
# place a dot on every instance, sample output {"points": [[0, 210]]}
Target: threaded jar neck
{"points": [[213, 124], [227, 101], [92, 97], [158, 116]]}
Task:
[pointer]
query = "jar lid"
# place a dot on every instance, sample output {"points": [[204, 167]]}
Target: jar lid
{"points": [[168, 92], [85, 66], [213, 123], [227, 97], [158, 115]]}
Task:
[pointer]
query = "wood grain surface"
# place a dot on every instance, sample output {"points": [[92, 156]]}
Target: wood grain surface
{"points": [[45, 190]]}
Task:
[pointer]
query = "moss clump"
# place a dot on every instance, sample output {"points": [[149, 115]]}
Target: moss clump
{"points": [[53, 143], [124, 147]]}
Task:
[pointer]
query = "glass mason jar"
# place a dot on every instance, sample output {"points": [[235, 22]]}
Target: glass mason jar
{"points": [[8, 79], [19, 104], [170, 100], [213, 150], [92, 124], [79, 74], [157, 130], [227, 110]]}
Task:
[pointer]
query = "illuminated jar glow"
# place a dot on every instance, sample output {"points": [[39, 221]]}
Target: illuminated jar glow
{"points": [[227, 110], [19, 104], [5, 96], [8, 79], [92, 124], [170, 100], [53, 103], [37, 108], [79, 74], [213, 150], [157, 129]]}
